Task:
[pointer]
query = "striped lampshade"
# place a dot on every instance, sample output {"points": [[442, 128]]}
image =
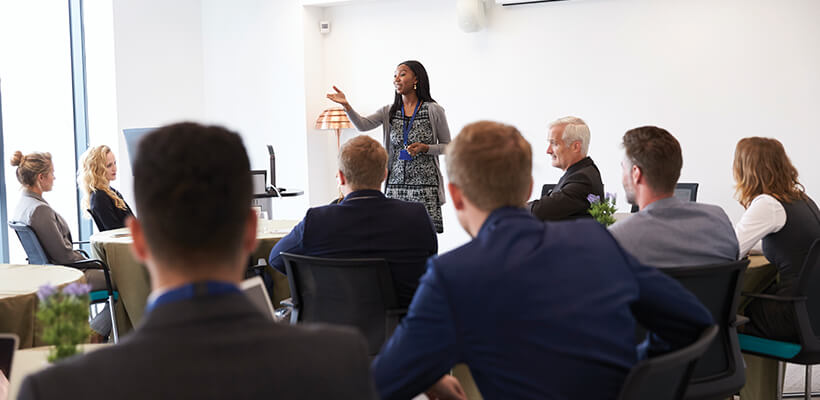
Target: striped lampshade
{"points": [[333, 118]]}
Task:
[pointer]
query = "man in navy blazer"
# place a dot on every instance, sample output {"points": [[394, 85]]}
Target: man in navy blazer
{"points": [[366, 223], [536, 310]]}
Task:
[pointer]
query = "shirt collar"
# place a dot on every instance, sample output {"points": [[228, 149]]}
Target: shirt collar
{"points": [[29, 193], [363, 193], [189, 291]]}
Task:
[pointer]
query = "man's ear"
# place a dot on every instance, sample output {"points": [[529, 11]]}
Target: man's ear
{"points": [[138, 245], [249, 239], [456, 196], [637, 175], [576, 146], [340, 177]]}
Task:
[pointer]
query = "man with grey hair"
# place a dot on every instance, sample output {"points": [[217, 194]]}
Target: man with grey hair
{"points": [[568, 146]]}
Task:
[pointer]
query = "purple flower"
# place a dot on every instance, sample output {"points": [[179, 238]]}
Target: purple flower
{"points": [[611, 196], [45, 291], [76, 289], [591, 198]]}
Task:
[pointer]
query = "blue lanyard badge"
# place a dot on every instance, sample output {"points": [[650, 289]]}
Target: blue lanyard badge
{"points": [[404, 154]]}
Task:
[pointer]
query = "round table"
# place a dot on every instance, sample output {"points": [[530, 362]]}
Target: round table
{"points": [[132, 280], [30, 361], [18, 297]]}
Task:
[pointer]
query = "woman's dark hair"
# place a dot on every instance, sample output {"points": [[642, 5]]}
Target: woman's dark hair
{"points": [[422, 87]]}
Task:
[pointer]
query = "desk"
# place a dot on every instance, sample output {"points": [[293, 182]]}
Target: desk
{"points": [[18, 297], [759, 275], [29, 361], [134, 284]]}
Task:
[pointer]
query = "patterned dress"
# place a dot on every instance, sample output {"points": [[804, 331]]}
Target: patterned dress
{"points": [[416, 179]]}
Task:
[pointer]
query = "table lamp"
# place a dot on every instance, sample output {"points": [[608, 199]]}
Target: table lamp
{"points": [[334, 118]]}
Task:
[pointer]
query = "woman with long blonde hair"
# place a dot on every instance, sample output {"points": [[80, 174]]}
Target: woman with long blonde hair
{"points": [[779, 212], [99, 168]]}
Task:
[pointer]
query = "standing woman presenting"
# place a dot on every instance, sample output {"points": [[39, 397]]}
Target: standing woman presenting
{"points": [[415, 134]]}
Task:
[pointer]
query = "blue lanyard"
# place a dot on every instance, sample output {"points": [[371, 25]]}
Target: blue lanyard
{"points": [[192, 290], [406, 127]]}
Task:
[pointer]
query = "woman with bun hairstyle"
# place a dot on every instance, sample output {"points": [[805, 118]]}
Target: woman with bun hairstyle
{"points": [[35, 172], [99, 168], [415, 134], [779, 212]]}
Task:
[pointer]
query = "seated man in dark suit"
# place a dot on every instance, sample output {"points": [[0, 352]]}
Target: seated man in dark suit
{"points": [[366, 223], [201, 338], [667, 231], [536, 310], [568, 146]]}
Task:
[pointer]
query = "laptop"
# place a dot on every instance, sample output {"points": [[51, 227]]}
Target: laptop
{"points": [[254, 289], [8, 344]]}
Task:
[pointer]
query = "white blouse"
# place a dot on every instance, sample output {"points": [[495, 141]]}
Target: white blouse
{"points": [[765, 215]]}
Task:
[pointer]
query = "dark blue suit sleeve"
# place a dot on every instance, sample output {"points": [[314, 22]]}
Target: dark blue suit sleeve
{"points": [[673, 315], [292, 243], [423, 348]]}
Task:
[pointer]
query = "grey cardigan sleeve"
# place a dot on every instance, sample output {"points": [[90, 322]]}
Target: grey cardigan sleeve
{"points": [[45, 223], [440, 129], [370, 122]]}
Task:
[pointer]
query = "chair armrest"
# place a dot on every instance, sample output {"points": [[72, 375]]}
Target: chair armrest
{"points": [[287, 302], [85, 253], [91, 263], [740, 320], [774, 297], [81, 242]]}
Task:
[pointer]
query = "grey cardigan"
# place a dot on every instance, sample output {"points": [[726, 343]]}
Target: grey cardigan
{"points": [[50, 227], [441, 134]]}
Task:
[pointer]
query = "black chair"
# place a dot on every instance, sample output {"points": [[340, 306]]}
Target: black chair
{"points": [[96, 220], [354, 291], [547, 188], [806, 305], [683, 191], [666, 376], [36, 255], [720, 371]]}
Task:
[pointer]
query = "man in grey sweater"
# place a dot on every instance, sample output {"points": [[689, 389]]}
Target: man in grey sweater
{"points": [[667, 232]]}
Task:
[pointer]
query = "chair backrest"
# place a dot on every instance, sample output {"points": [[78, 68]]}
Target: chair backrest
{"points": [[545, 190], [355, 292], [30, 242], [808, 313], [96, 220], [718, 287], [666, 376], [683, 191]]}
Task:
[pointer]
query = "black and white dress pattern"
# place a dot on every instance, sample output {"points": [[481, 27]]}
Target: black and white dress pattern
{"points": [[416, 179]]}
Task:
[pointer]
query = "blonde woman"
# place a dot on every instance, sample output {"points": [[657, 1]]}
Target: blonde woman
{"points": [[35, 172], [779, 212], [99, 169]]}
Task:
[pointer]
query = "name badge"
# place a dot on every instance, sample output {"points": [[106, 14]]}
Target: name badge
{"points": [[405, 155]]}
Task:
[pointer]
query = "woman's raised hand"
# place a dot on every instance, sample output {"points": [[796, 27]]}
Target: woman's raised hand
{"points": [[339, 97]]}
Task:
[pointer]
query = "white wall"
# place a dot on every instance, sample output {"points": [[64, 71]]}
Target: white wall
{"points": [[254, 83], [159, 69], [709, 71]]}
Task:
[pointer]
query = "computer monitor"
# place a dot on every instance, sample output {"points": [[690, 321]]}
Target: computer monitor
{"points": [[259, 180], [132, 139]]}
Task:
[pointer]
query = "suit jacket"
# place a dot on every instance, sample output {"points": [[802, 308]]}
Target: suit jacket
{"points": [[106, 212], [675, 233], [214, 347], [537, 311], [50, 227], [569, 197], [367, 224]]}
